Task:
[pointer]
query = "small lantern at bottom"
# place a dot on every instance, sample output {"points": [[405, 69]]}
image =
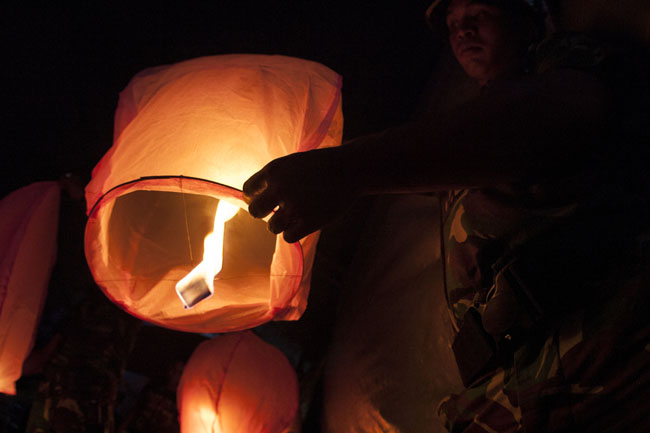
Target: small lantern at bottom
{"points": [[237, 383]]}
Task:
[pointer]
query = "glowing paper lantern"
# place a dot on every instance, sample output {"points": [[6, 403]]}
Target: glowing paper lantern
{"points": [[187, 136], [29, 222], [237, 383]]}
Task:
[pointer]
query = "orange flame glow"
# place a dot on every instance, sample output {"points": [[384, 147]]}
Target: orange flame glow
{"points": [[210, 420]]}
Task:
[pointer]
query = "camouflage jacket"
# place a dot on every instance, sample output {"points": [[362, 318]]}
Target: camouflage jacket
{"points": [[586, 369]]}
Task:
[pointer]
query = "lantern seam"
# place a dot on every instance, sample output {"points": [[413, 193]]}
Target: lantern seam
{"points": [[318, 136], [225, 373]]}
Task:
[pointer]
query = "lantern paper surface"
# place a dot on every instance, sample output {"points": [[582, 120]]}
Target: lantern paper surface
{"points": [[29, 220], [237, 383], [187, 136]]}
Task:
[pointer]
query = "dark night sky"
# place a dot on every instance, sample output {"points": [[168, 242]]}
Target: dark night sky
{"points": [[65, 65]]}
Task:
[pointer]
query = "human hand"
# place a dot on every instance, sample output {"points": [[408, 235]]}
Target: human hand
{"points": [[304, 190]]}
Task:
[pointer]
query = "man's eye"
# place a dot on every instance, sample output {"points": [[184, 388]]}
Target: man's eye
{"points": [[480, 15], [451, 25]]}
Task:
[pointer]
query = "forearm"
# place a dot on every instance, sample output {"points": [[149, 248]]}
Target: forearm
{"points": [[516, 130]]}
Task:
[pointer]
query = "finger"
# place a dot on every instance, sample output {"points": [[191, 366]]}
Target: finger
{"points": [[262, 205], [296, 231], [280, 221], [255, 184]]}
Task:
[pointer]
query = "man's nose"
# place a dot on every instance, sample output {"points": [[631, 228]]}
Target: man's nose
{"points": [[466, 28]]}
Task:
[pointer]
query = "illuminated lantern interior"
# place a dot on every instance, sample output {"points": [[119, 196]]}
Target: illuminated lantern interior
{"points": [[29, 222], [237, 383], [187, 136]]}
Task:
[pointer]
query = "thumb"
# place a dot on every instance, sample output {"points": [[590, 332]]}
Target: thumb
{"points": [[255, 184]]}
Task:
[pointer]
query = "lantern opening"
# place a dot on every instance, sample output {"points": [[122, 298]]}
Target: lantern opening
{"points": [[158, 235], [151, 234]]}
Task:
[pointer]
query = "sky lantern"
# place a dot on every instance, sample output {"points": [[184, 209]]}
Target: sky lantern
{"points": [[237, 383], [29, 223], [168, 236]]}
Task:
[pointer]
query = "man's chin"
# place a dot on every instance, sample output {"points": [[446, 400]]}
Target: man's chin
{"points": [[475, 69]]}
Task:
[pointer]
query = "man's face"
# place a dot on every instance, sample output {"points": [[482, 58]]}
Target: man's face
{"points": [[478, 35]]}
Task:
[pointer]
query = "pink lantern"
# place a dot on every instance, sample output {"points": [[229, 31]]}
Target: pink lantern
{"points": [[29, 223], [237, 383], [168, 236]]}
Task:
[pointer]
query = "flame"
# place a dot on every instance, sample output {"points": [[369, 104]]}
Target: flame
{"points": [[203, 274]]}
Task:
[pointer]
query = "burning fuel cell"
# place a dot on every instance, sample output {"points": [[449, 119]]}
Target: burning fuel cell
{"points": [[195, 286]]}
